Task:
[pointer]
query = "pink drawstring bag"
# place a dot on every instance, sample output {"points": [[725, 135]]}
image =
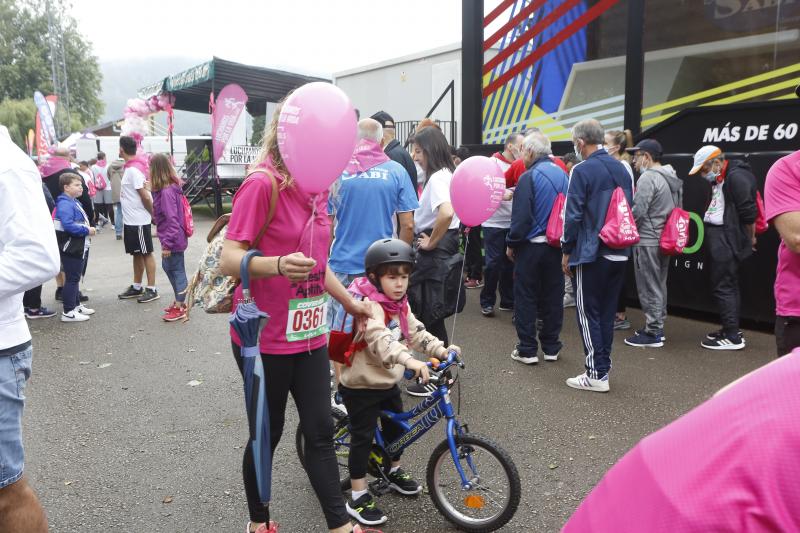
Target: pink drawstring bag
{"points": [[619, 230], [555, 223], [761, 217], [188, 220], [675, 234]]}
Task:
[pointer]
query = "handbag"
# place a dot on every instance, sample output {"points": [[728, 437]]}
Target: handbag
{"points": [[209, 287]]}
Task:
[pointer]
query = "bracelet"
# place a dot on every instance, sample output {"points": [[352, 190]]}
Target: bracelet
{"points": [[279, 265]]}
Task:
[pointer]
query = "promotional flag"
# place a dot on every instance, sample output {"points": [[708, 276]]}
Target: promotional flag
{"points": [[228, 110], [46, 118]]}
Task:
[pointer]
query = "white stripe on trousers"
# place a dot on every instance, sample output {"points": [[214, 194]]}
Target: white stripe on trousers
{"points": [[583, 322], [142, 247]]}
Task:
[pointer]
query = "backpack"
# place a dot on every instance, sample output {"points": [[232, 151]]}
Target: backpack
{"points": [[555, 222], [761, 218], [209, 287], [675, 235], [619, 230], [188, 220], [100, 182], [92, 189]]}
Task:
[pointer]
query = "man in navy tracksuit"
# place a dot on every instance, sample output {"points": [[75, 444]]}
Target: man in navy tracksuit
{"points": [[597, 269], [538, 279]]}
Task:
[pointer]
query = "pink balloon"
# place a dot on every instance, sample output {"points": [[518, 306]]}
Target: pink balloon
{"points": [[317, 133], [477, 189]]}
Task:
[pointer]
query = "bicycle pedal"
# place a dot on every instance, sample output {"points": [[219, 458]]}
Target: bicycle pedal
{"points": [[379, 487]]}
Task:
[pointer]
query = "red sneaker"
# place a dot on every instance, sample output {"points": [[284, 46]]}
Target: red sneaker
{"points": [[473, 283], [174, 314], [272, 527]]}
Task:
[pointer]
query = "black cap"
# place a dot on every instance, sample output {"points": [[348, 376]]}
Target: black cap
{"points": [[651, 146], [384, 118]]}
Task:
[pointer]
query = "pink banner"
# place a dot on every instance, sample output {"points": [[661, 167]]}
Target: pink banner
{"points": [[227, 109]]}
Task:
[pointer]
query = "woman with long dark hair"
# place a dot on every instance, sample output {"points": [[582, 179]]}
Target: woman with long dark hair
{"points": [[292, 272], [436, 227]]}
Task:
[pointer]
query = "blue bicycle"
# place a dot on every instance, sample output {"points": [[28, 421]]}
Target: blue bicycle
{"points": [[482, 491]]}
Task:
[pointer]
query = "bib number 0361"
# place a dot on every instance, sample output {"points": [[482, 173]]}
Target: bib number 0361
{"points": [[308, 318]]}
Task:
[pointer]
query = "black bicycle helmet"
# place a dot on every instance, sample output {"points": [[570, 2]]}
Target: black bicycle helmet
{"points": [[387, 251]]}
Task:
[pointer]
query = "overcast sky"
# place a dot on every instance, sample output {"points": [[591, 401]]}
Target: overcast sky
{"points": [[306, 36]]}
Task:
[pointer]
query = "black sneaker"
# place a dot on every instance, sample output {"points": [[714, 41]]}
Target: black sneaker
{"points": [[718, 334], [365, 511], [130, 292], [148, 296], [59, 290], [83, 298], [487, 311], [727, 342], [403, 483], [418, 389]]}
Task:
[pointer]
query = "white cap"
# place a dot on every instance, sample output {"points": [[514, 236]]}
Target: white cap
{"points": [[704, 154]]}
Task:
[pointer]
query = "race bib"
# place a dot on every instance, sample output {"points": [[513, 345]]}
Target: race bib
{"points": [[308, 318]]}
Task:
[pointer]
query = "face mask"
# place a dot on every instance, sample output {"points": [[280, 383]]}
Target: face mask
{"points": [[711, 177], [578, 153]]}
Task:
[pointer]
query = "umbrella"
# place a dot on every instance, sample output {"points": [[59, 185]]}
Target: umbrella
{"points": [[248, 321]]}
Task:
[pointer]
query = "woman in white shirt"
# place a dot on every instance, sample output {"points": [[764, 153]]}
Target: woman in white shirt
{"points": [[615, 144], [436, 227]]}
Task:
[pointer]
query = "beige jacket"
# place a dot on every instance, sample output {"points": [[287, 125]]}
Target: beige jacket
{"points": [[115, 171], [381, 364]]}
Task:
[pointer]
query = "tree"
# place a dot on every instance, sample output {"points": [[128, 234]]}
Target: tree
{"points": [[258, 130], [25, 59], [18, 116]]}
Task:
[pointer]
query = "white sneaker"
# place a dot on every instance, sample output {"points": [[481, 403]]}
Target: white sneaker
{"points": [[338, 406], [73, 316], [553, 357], [584, 382], [82, 309], [529, 360]]}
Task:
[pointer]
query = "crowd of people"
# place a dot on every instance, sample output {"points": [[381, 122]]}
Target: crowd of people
{"points": [[393, 270]]}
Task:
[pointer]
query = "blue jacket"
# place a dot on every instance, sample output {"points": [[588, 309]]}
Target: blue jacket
{"points": [[534, 197], [72, 225], [590, 187]]}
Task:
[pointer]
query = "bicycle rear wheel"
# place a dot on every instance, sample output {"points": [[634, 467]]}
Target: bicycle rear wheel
{"points": [[341, 445], [495, 493]]}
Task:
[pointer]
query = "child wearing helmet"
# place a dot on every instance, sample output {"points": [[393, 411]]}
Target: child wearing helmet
{"points": [[370, 384]]}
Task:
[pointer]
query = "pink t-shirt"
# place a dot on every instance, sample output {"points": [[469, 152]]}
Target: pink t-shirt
{"points": [[781, 195], [291, 230], [731, 464]]}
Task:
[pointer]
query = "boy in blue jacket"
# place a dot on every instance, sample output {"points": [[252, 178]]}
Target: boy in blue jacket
{"points": [[72, 229], [598, 270]]}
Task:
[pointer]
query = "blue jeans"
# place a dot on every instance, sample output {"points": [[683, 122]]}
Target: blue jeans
{"points": [[336, 312], [176, 273], [596, 288], [538, 293], [118, 219], [15, 370], [498, 270], [73, 268]]}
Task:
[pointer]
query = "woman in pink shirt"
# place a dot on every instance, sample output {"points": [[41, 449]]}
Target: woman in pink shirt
{"points": [[292, 283]]}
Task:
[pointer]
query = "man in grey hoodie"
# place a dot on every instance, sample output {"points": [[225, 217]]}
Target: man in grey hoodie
{"points": [[658, 192]]}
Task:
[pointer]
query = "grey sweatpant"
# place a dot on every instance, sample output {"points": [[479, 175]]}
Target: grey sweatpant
{"points": [[651, 268]]}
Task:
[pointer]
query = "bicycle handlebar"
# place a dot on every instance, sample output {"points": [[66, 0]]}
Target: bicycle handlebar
{"points": [[452, 359]]}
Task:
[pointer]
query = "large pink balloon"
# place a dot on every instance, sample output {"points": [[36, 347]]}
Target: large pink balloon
{"points": [[477, 189], [317, 133]]}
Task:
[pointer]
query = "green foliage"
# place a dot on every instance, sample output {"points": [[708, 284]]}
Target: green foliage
{"points": [[25, 60], [18, 116], [258, 130]]}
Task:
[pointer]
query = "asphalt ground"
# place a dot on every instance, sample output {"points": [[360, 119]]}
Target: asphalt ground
{"points": [[134, 424]]}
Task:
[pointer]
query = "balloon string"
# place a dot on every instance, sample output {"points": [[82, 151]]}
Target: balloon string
{"points": [[311, 250], [458, 296]]}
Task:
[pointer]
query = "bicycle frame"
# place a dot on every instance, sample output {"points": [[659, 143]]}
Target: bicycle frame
{"points": [[431, 410]]}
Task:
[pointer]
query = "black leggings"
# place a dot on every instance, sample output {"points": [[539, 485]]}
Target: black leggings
{"points": [[306, 376], [363, 407]]}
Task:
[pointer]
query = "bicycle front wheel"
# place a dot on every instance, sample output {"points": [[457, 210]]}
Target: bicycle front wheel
{"points": [[494, 496]]}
